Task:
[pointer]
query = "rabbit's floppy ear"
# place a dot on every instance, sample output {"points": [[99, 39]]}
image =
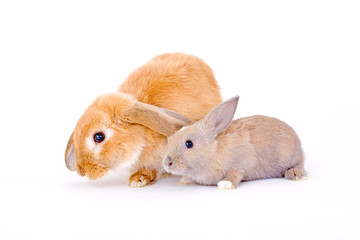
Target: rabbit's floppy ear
{"points": [[70, 160], [161, 120], [220, 117]]}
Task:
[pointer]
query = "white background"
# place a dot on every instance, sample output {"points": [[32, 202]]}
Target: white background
{"points": [[295, 60]]}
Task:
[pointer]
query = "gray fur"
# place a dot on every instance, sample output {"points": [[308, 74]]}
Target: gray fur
{"points": [[245, 149]]}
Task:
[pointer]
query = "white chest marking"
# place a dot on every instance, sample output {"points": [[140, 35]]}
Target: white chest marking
{"points": [[128, 163]]}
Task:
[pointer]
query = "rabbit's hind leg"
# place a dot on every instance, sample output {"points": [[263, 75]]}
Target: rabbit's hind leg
{"points": [[296, 173]]}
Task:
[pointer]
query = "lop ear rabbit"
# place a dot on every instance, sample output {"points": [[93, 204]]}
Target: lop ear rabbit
{"points": [[215, 150], [128, 128]]}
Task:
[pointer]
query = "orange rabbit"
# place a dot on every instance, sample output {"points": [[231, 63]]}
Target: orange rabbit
{"points": [[128, 128]]}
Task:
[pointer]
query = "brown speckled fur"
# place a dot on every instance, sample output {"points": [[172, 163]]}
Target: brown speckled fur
{"points": [[178, 82], [245, 149]]}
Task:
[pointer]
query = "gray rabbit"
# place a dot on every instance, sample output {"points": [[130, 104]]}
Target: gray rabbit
{"points": [[217, 150]]}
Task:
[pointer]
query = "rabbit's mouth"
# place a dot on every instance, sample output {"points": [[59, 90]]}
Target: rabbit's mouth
{"points": [[170, 164], [92, 171], [174, 166]]}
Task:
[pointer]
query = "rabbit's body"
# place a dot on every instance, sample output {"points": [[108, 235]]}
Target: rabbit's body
{"points": [[245, 145], [178, 82], [249, 148], [129, 127]]}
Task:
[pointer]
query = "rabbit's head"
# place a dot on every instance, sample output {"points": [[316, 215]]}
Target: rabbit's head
{"points": [[111, 132], [190, 150]]}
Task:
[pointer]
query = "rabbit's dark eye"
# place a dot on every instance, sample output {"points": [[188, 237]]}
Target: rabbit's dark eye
{"points": [[189, 144], [99, 137]]}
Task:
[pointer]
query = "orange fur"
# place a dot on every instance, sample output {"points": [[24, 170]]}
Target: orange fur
{"points": [[179, 82]]}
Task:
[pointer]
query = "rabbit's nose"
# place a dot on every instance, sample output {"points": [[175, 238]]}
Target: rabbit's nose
{"points": [[169, 161]]}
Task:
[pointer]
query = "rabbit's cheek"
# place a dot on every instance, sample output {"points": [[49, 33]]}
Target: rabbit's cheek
{"points": [[178, 167]]}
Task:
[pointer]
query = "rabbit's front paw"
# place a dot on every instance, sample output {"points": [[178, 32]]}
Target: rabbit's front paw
{"points": [[186, 181], [142, 178], [225, 185]]}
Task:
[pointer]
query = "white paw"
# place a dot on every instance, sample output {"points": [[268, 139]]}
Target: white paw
{"points": [[301, 178], [225, 185]]}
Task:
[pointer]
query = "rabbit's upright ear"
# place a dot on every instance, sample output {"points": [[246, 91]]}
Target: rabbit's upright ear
{"points": [[70, 160], [220, 117], [161, 120]]}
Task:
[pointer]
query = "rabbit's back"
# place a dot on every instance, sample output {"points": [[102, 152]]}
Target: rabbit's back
{"points": [[176, 81], [266, 146]]}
